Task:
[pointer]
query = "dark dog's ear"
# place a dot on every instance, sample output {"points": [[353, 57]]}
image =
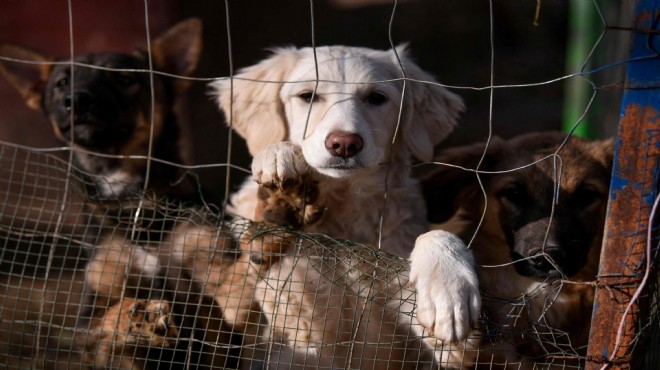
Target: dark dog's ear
{"points": [[28, 78], [177, 51], [448, 187]]}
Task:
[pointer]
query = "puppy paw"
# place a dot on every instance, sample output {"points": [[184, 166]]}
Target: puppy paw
{"points": [[296, 206], [151, 323], [120, 337], [279, 165], [448, 299]]}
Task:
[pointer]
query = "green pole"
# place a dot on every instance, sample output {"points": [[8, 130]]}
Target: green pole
{"points": [[577, 91]]}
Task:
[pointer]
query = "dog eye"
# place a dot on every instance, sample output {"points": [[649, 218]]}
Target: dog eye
{"points": [[376, 98], [513, 194], [308, 96], [126, 80], [585, 196], [62, 82]]}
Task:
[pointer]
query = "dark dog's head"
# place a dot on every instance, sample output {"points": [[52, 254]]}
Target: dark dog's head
{"points": [[103, 103], [96, 108], [100, 108], [543, 241]]}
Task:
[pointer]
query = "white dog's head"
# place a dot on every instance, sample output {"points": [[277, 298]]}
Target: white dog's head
{"points": [[345, 122]]}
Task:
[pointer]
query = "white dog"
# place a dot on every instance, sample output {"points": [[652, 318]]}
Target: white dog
{"points": [[345, 120]]}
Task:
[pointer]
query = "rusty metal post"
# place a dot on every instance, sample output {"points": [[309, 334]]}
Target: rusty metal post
{"points": [[633, 190]]}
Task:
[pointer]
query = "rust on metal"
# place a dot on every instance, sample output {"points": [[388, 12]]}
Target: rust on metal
{"points": [[624, 246]]}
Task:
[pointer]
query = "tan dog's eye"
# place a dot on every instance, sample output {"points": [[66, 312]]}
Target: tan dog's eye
{"points": [[513, 194], [376, 98], [586, 196], [308, 96]]}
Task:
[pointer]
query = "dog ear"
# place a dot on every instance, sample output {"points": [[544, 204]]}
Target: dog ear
{"points": [[603, 152], [178, 49], [446, 188], [251, 101], [28, 78], [432, 111]]}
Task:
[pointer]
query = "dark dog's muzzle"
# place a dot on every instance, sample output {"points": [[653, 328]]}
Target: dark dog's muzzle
{"points": [[546, 262], [80, 102]]}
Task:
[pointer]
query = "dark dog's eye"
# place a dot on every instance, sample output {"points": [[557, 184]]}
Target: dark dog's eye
{"points": [[62, 82], [376, 98], [514, 194], [308, 96], [126, 80], [585, 196]]}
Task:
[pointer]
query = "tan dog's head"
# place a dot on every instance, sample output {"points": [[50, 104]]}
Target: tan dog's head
{"points": [[347, 121], [520, 201]]}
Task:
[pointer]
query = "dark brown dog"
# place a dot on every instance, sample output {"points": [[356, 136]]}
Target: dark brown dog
{"points": [[535, 264], [106, 112]]}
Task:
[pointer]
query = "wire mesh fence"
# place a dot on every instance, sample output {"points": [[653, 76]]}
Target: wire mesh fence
{"points": [[116, 259]]}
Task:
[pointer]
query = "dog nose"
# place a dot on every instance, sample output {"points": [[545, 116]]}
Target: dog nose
{"points": [[541, 261], [79, 101], [344, 144]]}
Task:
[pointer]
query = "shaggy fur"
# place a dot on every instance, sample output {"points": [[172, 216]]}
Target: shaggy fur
{"points": [[526, 254], [122, 275], [326, 153]]}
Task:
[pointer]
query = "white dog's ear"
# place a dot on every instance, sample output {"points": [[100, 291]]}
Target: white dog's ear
{"points": [[431, 111], [254, 109]]}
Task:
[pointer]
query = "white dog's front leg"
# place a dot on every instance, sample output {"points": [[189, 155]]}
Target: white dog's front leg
{"points": [[279, 163], [448, 299]]}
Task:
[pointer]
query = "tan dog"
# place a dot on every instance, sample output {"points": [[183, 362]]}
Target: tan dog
{"points": [[181, 276], [332, 156], [535, 264]]}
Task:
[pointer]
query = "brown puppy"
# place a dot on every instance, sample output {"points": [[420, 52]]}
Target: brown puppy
{"points": [[535, 263]]}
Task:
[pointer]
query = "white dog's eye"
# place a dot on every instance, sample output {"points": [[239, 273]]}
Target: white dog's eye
{"points": [[376, 98], [307, 96]]}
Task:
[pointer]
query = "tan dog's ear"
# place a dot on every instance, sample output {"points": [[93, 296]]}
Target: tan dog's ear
{"points": [[446, 188], [178, 49], [603, 152], [28, 78], [431, 111], [254, 108]]}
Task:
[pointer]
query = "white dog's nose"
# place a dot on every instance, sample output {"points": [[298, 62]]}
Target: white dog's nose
{"points": [[343, 144]]}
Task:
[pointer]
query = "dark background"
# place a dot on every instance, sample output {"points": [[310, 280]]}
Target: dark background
{"points": [[450, 39]]}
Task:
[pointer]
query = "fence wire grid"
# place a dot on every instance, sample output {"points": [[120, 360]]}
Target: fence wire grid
{"points": [[89, 280]]}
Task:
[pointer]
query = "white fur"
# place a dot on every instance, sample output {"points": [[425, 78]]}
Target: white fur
{"points": [[433, 253], [287, 138], [118, 182]]}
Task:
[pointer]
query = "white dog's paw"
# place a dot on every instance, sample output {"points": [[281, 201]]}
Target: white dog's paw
{"points": [[448, 299], [279, 165]]}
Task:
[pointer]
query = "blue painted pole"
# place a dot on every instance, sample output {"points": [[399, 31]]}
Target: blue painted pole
{"points": [[617, 317]]}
